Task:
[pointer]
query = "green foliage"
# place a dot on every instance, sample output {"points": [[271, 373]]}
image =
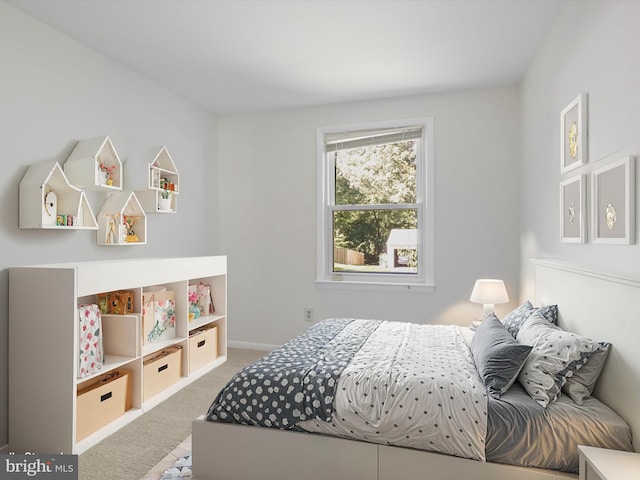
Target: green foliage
{"points": [[376, 175], [380, 174], [411, 255]]}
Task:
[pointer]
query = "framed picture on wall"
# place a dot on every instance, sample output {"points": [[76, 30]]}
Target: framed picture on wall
{"points": [[613, 202], [572, 209], [573, 139]]}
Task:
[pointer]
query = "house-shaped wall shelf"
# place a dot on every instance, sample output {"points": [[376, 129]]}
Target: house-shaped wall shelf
{"points": [[163, 187], [122, 221], [49, 201], [93, 164]]}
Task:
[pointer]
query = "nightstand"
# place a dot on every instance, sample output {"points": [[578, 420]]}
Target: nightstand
{"points": [[604, 464]]}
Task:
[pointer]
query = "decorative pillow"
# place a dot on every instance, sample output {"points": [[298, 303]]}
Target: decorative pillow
{"points": [[498, 357], [514, 320], [550, 313], [556, 356], [581, 385]]}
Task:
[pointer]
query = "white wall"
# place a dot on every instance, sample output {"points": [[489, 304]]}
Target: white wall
{"points": [[53, 92], [594, 47], [497, 171], [268, 204]]}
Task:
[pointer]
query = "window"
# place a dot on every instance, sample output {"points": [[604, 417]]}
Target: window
{"points": [[375, 204]]}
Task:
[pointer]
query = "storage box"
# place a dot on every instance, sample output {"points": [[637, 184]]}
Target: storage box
{"points": [[117, 303], [158, 316], [161, 370], [203, 347], [102, 400]]}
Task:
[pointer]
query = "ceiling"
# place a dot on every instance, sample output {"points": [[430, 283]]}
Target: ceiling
{"points": [[233, 56]]}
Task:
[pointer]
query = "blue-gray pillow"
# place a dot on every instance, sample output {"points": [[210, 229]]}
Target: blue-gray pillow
{"points": [[497, 355], [514, 320], [549, 313]]}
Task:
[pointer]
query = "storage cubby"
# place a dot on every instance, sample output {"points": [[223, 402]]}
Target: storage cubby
{"points": [[121, 337], [93, 164], [163, 187], [122, 221], [154, 370], [49, 201]]}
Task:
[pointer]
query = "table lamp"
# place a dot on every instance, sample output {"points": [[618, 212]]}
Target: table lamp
{"points": [[488, 292]]}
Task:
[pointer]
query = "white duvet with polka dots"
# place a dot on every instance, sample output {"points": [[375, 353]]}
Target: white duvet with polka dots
{"points": [[414, 386]]}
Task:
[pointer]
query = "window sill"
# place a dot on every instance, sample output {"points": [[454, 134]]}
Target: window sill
{"points": [[387, 286]]}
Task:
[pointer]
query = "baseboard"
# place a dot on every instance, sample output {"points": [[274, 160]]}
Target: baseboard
{"points": [[252, 346]]}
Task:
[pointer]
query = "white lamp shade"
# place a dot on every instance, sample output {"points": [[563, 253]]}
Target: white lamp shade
{"points": [[489, 291]]}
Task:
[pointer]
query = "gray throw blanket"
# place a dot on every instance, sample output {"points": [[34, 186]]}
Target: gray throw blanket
{"points": [[295, 382]]}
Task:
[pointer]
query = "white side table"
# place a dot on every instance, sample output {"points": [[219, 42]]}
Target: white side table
{"points": [[604, 464]]}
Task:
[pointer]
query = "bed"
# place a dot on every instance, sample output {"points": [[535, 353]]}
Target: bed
{"points": [[464, 419]]}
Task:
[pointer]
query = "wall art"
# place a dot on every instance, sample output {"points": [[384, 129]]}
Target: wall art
{"points": [[613, 202], [573, 140], [572, 210]]}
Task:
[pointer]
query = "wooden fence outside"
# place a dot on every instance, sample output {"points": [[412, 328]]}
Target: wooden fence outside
{"points": [[347, 257]]}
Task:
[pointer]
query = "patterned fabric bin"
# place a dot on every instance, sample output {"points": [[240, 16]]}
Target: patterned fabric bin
{"points": [[158, 316], [91, 354]]}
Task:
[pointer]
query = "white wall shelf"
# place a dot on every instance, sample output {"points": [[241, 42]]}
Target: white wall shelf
{"points": [[49, 201], [94, 164], [163, 183], [122, 221], [44, 393]]}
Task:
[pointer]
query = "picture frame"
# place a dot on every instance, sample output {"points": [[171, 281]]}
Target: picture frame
{"points": [[573, 210], [613, 202], [574, 134]]}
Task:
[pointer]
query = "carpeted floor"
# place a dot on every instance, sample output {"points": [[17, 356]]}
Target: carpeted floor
{"points": [[176, 465], [133, 450]]}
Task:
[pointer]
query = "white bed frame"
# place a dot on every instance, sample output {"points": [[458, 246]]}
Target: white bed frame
{"points": [[601, 306]]}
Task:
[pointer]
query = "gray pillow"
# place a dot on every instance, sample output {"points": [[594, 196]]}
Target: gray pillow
{"points": [[581, 385], [497, 356]]}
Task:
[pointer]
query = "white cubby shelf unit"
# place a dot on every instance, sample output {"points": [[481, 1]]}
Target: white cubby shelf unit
{"points": [[122, 221], [49, 201], [94, 164], [163, 186], [44, 342]]}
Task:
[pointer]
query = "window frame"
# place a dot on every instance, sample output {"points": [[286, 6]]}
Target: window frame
{"points": [[424, 279]]}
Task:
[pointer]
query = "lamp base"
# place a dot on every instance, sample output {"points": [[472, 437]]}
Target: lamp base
{"points": [[487, 309]]}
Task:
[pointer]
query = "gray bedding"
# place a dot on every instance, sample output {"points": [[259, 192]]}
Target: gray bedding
{"points": [[522, 432]]}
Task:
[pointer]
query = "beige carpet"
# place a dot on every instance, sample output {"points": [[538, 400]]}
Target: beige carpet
{"points": [[159, 469], [133, 450]]}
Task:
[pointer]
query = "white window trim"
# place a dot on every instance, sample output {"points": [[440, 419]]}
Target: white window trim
{"points": [[425, 279]]}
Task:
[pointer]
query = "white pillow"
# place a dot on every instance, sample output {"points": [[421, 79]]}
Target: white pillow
{"points": [[555, 356]]}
